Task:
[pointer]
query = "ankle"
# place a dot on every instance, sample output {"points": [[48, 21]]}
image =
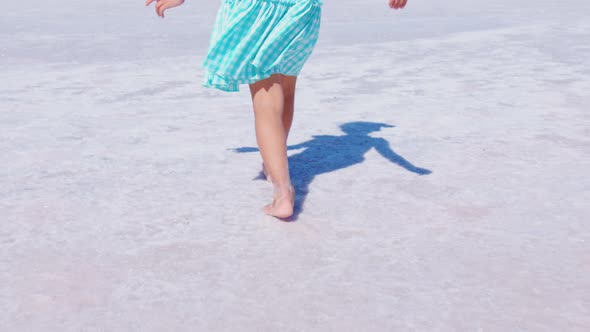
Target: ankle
{"points": [[284, 188]]}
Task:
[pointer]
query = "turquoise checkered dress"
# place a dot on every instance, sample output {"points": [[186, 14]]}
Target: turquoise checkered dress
{"points": [[253, 39]]}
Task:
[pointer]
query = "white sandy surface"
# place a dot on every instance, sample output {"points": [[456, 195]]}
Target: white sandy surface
{"points": [[130, 198]]}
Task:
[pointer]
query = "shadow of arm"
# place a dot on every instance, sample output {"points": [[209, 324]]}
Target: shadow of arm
{"points": [[382, 146], [244, 149], [297, 146], [253, 149]]}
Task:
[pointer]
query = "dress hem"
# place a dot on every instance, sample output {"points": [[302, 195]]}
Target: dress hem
{"points": [[233, 85]]}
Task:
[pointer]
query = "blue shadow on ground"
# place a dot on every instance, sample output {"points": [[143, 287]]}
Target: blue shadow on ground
{"points": [[327, 153]]}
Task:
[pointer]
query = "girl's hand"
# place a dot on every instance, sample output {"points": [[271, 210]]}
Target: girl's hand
{"points": [[397, 4], [162, 5]]}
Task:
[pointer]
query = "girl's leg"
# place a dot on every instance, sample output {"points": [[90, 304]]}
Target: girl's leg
{"points": [[288, 85], [268, 101]]}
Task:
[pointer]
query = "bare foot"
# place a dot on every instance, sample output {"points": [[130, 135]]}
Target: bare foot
{"points": [[283, 203], [266, 174]]}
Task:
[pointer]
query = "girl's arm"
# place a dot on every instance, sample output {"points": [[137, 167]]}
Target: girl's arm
{"points": [[162, 5], [397, 4]]}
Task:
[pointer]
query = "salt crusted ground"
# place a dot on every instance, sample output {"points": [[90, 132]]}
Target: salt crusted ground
{"points": [[441, 155]]}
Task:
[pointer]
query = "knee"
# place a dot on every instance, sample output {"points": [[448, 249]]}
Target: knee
{"points": [[269, 105]]}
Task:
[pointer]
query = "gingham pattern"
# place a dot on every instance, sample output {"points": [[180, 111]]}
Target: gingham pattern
{"points": [[253, 39]]}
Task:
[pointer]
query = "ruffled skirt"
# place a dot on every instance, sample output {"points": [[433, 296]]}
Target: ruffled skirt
{"points": [[253, 39]]}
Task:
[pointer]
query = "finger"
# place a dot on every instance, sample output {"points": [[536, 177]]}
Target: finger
{"points": [[160, 7], [165, 5], [148, 2], [404, 2], [396, 4]]}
